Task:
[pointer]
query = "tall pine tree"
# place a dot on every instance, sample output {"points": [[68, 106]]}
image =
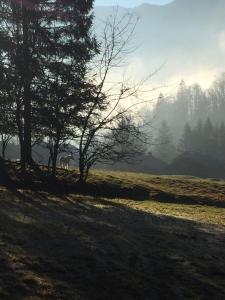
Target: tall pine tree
{"points": [[164, 148], [44, 48]]}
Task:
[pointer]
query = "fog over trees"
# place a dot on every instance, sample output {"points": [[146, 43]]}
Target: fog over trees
{"points": [[63, 90], [193, 118]]}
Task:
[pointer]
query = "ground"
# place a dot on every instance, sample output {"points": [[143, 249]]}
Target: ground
{"points": [[124, 236]]}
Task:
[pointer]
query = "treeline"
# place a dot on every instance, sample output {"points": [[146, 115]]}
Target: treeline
{"points": [[200, 151], [53, 83], [191, 104], [191, 121]]}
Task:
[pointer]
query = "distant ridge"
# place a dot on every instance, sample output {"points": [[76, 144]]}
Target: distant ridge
{"points": [[145, 4], [188, 34]]}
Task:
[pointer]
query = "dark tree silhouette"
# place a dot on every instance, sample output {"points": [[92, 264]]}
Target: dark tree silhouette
{"points": [[44, 48]]}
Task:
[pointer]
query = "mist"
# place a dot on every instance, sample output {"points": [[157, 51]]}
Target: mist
{"points": [[182, 44], [185, 39]]}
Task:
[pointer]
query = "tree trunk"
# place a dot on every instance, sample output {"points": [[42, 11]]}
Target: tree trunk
{"points": [[50, 159], [87, 172], [3, 148], [54, 158], [49, 162], [27, 128], [22, 157], [20, 135], [27, 86], [81, 171]]}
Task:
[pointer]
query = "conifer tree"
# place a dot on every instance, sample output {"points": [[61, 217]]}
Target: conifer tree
{"points": [[44, 48], [164, 148], [186, 142]]}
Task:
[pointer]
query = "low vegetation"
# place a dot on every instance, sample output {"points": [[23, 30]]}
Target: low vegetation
{"points": [[122, 236]]}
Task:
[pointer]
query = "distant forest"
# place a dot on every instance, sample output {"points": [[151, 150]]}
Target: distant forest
{"points": [[190, 123], [192, 120], [186, 133]]}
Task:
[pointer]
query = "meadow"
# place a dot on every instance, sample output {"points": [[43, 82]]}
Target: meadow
{"points": [[122, 236]]}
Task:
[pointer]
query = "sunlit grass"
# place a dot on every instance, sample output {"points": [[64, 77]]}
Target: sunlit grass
{"points": [[200, 189], [137, 235]]}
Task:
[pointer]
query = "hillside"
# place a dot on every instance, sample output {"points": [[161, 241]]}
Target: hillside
{"points": [[125, 236], [185, 36]]}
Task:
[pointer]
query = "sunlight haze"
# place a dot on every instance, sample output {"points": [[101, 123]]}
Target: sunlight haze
{"points": [[184, 39]]}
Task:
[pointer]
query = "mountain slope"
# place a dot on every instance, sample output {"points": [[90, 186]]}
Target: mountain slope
{"points": [[189, 35]]}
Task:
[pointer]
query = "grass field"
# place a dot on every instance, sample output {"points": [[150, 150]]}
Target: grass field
{"points": [[124, 236]]}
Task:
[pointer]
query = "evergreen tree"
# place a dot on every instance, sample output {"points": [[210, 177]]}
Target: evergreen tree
{"points": [[216, 96], [164, 148], [197, 138], [181, 110], [161, 107], [20, 46], [186, 142], [209, 138], [44, 48], [7, 117], [66, 92], [183, 101], [199, 105], [221, 142]]}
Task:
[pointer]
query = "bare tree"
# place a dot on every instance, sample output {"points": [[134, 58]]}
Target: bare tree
{"points": [[108, 132], [120, 140]]}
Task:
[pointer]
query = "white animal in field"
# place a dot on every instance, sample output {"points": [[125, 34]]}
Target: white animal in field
{"points": [[15, 160], [64, 161]]}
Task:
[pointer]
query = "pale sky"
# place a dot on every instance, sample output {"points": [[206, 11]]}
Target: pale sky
{"points": [[130, 3]]}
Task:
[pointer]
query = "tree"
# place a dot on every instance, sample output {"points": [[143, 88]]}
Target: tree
{"points": [[7, 122], [45, 45], [209, 138], [199, 104], [7, 116], [20, 41], [221, 142], [186, 142], [181, 111], [197, 137], [164, 148], [117, 139], [161, 109], [65, 93], [176, 110], [109, 115], [216, 96]]}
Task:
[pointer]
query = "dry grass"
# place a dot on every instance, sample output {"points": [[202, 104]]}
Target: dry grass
{"points": [[127, 236], [185, 197]]}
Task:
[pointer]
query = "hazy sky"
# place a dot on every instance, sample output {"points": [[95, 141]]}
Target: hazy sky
{"points": [[130, 3], [179, 44]]}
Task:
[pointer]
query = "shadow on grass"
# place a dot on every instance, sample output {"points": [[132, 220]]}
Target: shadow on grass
{"points": [[166, 197], [39, 180], [73, 247]]}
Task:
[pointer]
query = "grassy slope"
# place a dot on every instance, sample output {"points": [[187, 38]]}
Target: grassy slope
{"points": [[134, 237]]}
